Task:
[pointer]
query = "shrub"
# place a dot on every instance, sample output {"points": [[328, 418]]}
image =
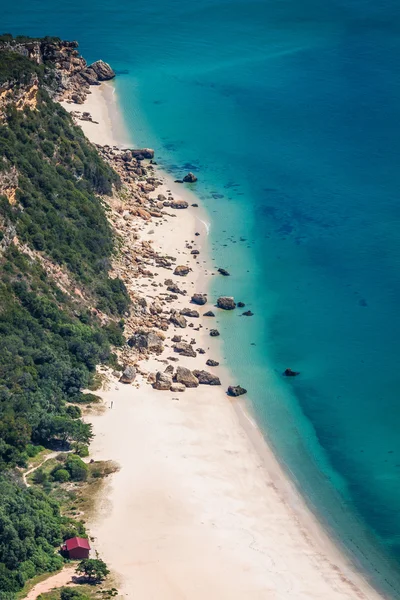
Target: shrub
{"points": [[77, 469], [61, 475]]}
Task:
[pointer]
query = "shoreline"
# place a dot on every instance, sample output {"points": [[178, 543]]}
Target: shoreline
{"points": [[236, 508]]}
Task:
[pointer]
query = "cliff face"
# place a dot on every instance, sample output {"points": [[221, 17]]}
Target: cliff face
{"points": [[66, 73]]}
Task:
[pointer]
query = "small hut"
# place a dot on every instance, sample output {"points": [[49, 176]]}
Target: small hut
{"points": [[77, 547]]}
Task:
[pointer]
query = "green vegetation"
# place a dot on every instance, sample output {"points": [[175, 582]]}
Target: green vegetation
{"points": [[93, 569], [51, 339]]}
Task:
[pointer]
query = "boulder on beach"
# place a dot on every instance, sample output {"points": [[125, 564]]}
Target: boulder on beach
{"points": [[188, 312], [176, 290], [214, 332], [141, 153], [226, 303], [209, 313], [185, 376], [195, 252], [206, 378], [184, 349], [178, 319], [290, 373], [178, 204], [178, 387], [146, 340], [199, 299], [182, 270], [163, 381], [190, 178], [212, 363], [223, 272], [236, 390], [177, 338], [128, 375]]}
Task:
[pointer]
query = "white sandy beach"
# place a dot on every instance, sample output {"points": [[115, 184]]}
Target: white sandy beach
{"points": [[200, 508]]}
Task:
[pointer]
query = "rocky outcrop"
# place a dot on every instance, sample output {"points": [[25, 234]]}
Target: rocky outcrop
{"points": [[226, 303], [188, 312], [129, 375], [101, 70], [185, 376], [181, 270], [206, 378], [190, 178], [163, 381], [184, 349], [178, 319], [199, 299], [236, 390], [146, 340]]}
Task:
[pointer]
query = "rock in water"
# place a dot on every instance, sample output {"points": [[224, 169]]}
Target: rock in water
{"points": [[236, 390], [199, 299], [207, 378], [223, 272], [184, 349], [248, 313], [190, 178], [185, 376], [181, 270], [226, 303], [128, 375], [212, 363], [141, 153], [214, 332], [241, 304], [102, 70], [290, 373], [163, 381]]}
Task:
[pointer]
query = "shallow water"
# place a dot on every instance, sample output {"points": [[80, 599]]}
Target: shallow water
{"points": [[289, 113]]}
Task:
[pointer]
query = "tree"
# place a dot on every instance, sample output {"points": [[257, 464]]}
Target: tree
{"points": [[93, 568]]}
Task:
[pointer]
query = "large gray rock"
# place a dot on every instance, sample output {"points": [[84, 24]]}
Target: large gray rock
{"points": [[188, 312], [185, 376], [236, 390], [178, 204], [163, 381], [128, 375], [212, 363], [206, 378], [190, 178], [141, 153], [178, 387], [181, 270], [199, 299], [178, 319], [226, 302], [102, 70], [184, 349], [146, 340]]}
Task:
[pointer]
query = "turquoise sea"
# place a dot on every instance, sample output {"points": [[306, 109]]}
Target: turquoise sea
{"points": [[289, 112]]}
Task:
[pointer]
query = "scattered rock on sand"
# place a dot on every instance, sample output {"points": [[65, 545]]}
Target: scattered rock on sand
{"points": [[226, 303], [195, 252], [177, 338], [188, 312], [290, 373], [209, 313], [236, 390], [185, 376], [178, 387], [178, 204], [190, 178], [199, 299], [176, 290], [146, 340], [178, 319], [214, 332], [184, 349], [128, 375], [163, 381], [206, 378], [212, 363], [223, 272], [181, 270]]}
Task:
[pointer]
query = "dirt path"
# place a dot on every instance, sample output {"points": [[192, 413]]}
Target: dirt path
{"points": [[29, 471], [60, 579]]}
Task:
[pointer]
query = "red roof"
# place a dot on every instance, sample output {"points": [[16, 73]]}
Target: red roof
{"points": [[77, 542]]}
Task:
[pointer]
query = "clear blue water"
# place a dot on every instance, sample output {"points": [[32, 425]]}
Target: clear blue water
{"points": [[290, 114]]}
